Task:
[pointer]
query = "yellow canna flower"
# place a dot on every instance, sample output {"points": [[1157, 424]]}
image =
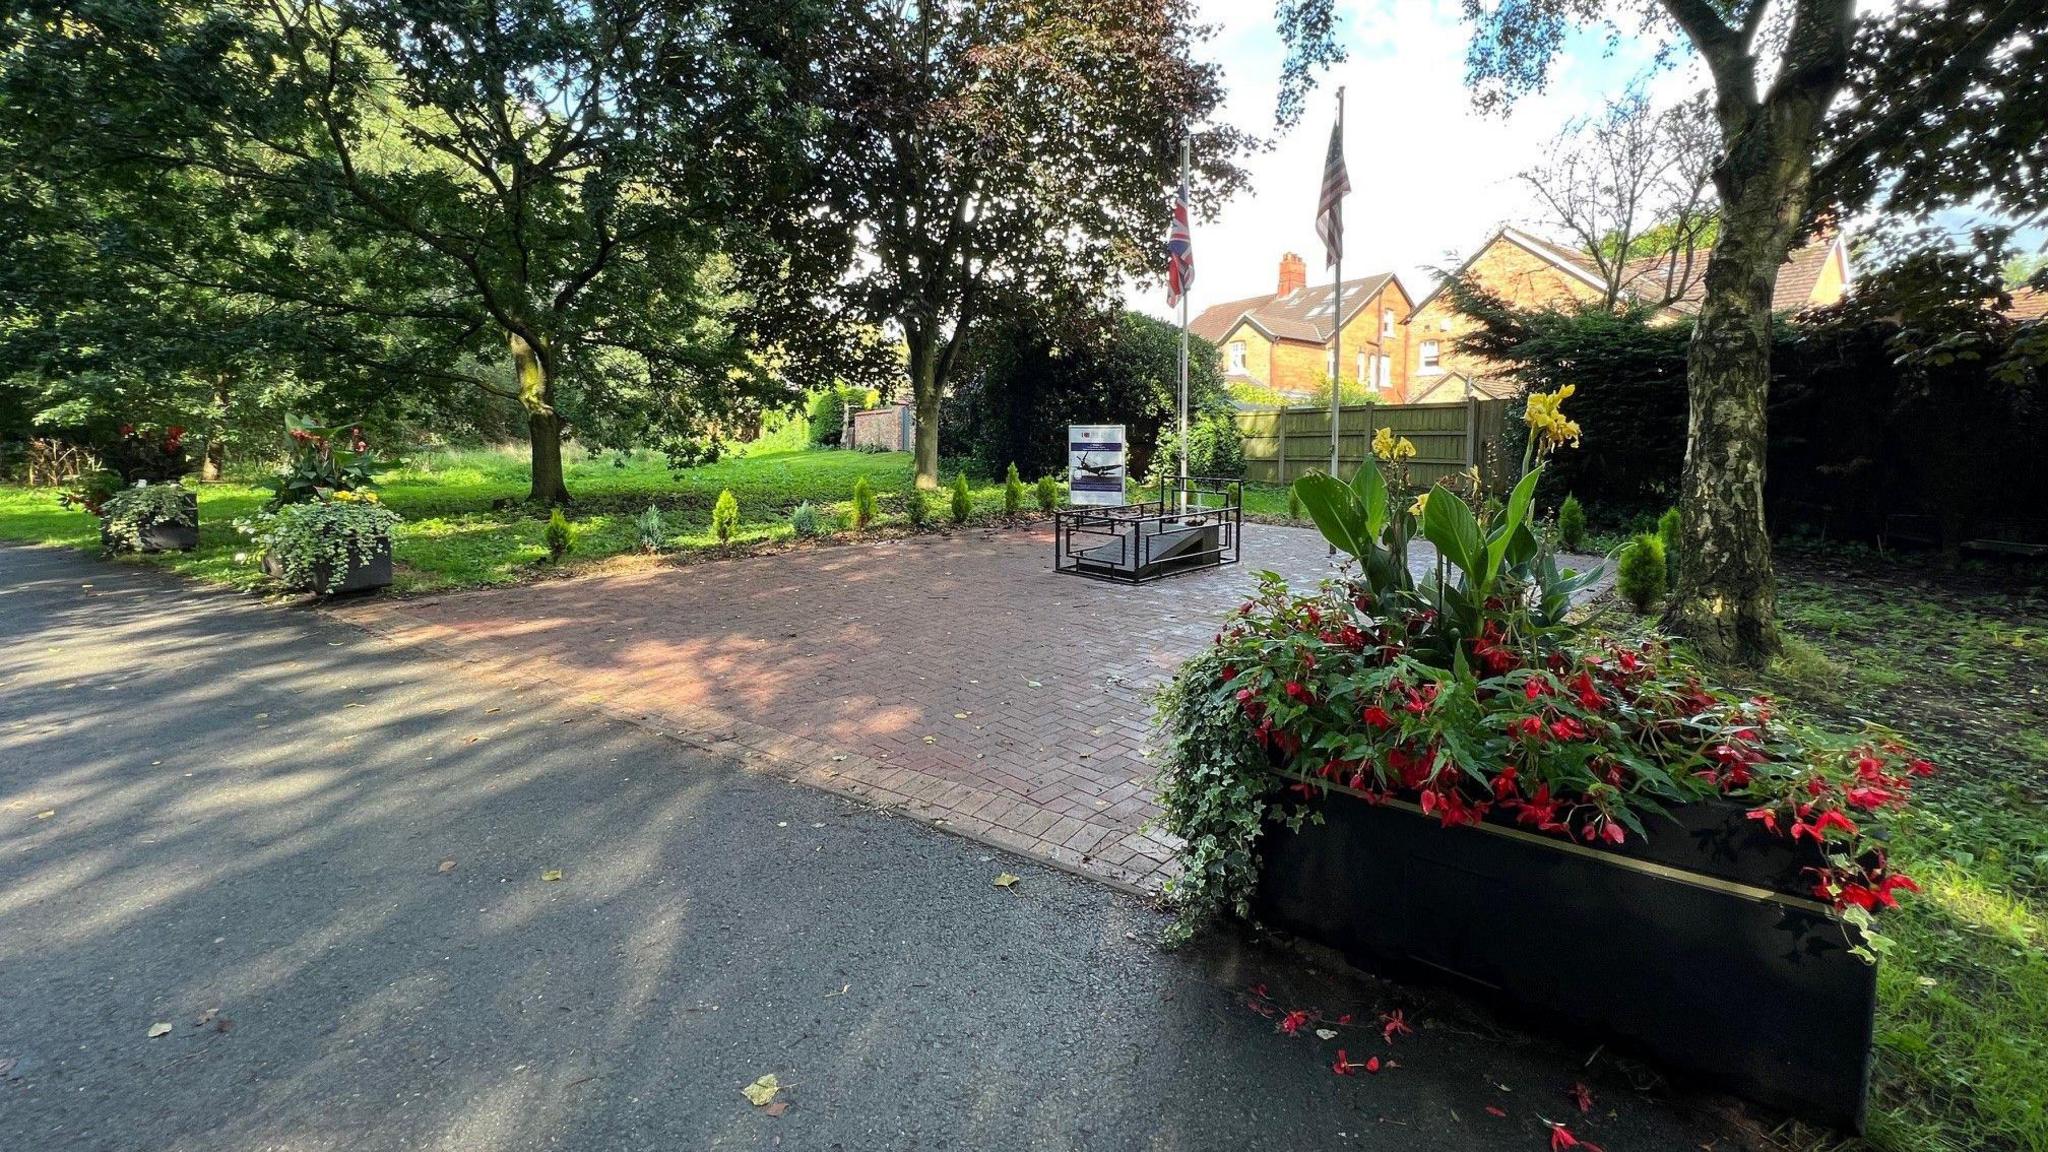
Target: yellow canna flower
{"points": [[1421, 505], [1545, 417], [1387, 447]]}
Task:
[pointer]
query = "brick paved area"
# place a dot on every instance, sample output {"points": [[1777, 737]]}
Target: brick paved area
{"points": [[957, 677]]}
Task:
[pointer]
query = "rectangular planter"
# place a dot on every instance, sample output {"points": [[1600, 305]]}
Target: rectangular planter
{"points": [[163, 535], [364, 574], [1700, 948]]}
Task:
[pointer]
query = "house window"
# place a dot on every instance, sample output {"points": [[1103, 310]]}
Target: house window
{"points": [[1430, 354], [1237, 356], [1330, 363], [1384, 375], [1362, 376], [1386, 322]]}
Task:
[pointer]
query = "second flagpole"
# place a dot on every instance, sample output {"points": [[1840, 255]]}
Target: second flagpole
{"points": [[1337, 321], [1180, 501]]}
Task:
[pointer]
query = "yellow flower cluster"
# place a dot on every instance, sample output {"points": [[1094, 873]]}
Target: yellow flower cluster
{"points": [[1420, 506], [1386, 447], [346, 497], [1546, 420]]}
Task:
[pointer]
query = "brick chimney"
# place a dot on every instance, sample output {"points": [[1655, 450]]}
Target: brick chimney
{"points": [[1293, 274]]}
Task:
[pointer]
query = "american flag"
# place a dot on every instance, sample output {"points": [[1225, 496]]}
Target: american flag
{"points": [[1330, 210], [1180, 250]]}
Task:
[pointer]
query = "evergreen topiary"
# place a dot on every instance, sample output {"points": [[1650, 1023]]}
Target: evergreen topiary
{"points": [[1571, 524], [1667, 531], [725, 516], [1293, 503], [962, 502], [803, 520], [558, 538], [863, 504], [917, 508], [1640, 576], [1013, 492], [1048, 493]]}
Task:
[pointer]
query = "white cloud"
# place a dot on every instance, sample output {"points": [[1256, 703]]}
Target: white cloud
{"points": [[1429, 175]]}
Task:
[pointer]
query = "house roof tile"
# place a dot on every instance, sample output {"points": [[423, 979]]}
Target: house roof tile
{"points": [[1305, 314]]}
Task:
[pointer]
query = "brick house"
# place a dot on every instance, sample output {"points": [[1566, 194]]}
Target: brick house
{"points": [[1284, 340], [1531, 272]]}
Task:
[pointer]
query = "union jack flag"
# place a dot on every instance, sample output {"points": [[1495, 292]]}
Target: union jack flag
{"points": [[1180, 250]]}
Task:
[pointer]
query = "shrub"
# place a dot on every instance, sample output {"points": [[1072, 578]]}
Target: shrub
{"points": [[725, 516], [1048, 493], [1013, 492], [1215, 448], [917, 508], [828, 411], [1571, 524], [1667, 532], [325, 458], [962, 502], [1640, 576], [650, 531], [803, 520], [863, 504], [558, 537], [1293, 504]]}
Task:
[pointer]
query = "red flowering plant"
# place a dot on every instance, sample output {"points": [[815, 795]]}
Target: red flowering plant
{"points": [[145, 454], [325, 459], [1577, 737]]}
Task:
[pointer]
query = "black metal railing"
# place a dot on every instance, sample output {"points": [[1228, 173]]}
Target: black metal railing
{"points": [[1194, 524]]}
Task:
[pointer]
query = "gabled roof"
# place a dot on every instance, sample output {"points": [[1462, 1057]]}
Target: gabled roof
{"points": [[1305, 314], [1646, 278], [1491, 387]]}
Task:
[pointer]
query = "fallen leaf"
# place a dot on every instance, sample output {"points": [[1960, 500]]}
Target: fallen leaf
{"points": [[488, 711], [446, 866], [959, 715], [551, 875], [160, 1028], [931, 739], [1033, 684], [1325, 1034], [761, 1091], [206, 1017], [777, 1108], [1006, 881], [46, 814]]}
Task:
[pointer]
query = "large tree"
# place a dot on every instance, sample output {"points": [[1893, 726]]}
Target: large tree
{"points": [[1003, 150], [542, 201], [1821, 109]]}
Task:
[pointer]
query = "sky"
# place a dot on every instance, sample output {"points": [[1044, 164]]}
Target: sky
{"points": [[1431, 178]]}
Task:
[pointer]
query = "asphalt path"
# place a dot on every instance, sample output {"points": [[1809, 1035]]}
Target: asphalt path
{"points": [[379, 905]]}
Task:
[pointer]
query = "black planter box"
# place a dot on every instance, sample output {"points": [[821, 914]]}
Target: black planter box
{"points": [[1702, 947], [162, 535], [364, 574]]}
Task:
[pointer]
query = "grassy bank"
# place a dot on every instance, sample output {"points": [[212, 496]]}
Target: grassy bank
{"points": [[464, 526]]}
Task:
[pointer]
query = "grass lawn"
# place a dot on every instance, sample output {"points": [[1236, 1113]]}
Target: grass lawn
{"points": [[1958, 664], [453, 536]]}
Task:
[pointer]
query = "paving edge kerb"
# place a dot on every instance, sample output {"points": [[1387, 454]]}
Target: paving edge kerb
{"points": [[1003, 822]]}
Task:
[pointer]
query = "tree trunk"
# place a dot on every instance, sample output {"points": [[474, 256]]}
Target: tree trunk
{"points": [[543, 424], [1725, 601], [925, 387]]}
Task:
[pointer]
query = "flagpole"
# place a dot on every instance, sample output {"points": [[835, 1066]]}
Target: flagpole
{"points": [[1180, 500], [1337, 318]]}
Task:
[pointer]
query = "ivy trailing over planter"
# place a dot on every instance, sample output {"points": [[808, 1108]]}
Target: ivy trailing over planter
{"points": [[314, 541], [129, 512]]}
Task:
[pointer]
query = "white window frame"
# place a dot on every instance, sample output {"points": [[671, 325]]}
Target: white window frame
{"points": [[1431, 356], [1364, 367], [1330, 362], [1237, 356], [1383, 372], [1386, 322]]}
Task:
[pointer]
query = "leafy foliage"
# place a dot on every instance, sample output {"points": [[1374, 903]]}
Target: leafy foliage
{"points": [[1048, 493], [961, 502], [559, 538], [314, 542], [804, 521], [1013, 492], [828, 409], [1640, 574], [1571, 524], [1026, 377], [725, 516], [652, 533], [917, 508], [1215, 448], [863, 504], [324, 459], [126, 514]]}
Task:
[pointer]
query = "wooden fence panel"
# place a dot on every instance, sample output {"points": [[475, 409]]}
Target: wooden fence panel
{"points": [[1283, 444]]}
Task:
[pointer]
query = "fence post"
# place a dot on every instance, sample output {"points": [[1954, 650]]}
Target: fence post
{"points": [[1471, 428], [1280, 434]]}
